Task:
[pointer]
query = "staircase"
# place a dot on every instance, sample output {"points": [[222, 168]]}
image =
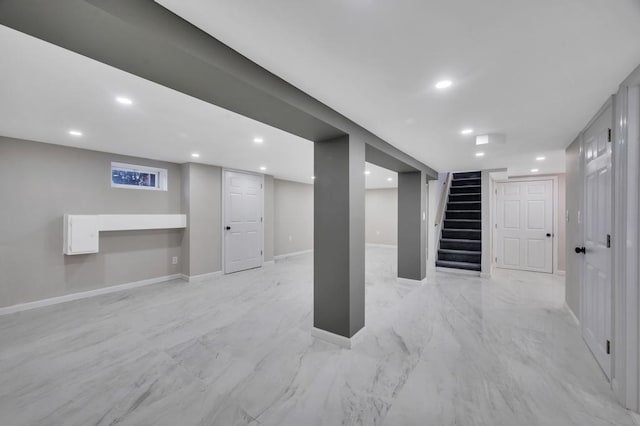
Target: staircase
{"points": [[460, 240]]}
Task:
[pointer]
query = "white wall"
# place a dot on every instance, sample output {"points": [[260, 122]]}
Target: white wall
{"points": [[381, 216], [293, 217]]}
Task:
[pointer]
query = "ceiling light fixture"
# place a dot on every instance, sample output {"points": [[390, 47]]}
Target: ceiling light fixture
{"points": [[75, 132], [367, 172], [124, 101], [534, 170], [467, 131], [263, 168], [195, 155], [443, 84], [540, 158], [482, 139], [479, 154], [258, 140]]}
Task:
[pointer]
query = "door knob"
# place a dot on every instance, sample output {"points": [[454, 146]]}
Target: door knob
{"points": [[228, 228], [548, 235], [581, 250]]}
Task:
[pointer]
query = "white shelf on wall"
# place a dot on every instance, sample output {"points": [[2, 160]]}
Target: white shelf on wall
{"points": [[81, 232]]}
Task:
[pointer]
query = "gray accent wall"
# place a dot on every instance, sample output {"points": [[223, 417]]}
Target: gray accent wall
{"points": [[202, 195], [39, 183], [269, 218], [293, 224], [338, 284], [381, 216]]}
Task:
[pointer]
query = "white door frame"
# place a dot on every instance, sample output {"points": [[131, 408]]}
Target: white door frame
{"points": [[223, 216], [554, 215], [625, 379]]}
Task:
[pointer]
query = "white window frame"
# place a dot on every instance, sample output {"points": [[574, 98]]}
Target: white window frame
{"points": [[161, 176]]}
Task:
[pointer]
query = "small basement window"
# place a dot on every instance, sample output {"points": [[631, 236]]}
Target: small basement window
{"points": [[138, 177]]}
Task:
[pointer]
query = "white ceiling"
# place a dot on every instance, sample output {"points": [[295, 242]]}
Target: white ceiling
{"points": [[46, 91], [534, 70]]}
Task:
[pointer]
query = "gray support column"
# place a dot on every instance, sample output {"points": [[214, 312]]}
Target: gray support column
{"points": [[412, 232], [338, 274]]}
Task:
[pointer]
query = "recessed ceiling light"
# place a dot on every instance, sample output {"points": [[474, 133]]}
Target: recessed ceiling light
{"points": [[124, 101], [540, 158], [479, 154], [258, 140], [467, 131], [75, 132], [195, 155], [482, 139], [263, 168], [443, 84], [367, 172], [534, 170], [389, 179]]}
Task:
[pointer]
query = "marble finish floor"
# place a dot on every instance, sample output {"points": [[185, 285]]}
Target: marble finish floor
{"points": [[237, 350]]}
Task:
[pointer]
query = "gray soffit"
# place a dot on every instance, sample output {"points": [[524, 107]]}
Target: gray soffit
{"points": [[143, 38]]}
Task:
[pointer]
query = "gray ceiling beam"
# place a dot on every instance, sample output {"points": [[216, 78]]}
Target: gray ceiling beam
{"points": [[143, 38]]}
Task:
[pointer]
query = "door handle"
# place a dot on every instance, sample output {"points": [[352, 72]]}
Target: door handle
{"points": [[581, 250], [228, 228], [548, 235]]}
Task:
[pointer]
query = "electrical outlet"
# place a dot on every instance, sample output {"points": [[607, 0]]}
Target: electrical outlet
{"points": [[174, 260]]}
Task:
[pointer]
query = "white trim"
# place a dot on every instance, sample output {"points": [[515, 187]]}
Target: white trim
{"points": [[269, 262], [457, 271], [295, 253], [382, 245], [201, 277], [336, 339], [561, 273], [485, 275], [401, 280], [635, 417], [573, 315], [86, 294]]}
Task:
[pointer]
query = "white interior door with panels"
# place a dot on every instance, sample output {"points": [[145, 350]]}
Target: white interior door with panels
{"points": [[243, 221], [596, 278], [524, 225]]}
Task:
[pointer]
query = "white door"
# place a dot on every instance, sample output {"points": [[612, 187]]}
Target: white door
{"points": [[242, 221], [524, 225], [596, 284]]}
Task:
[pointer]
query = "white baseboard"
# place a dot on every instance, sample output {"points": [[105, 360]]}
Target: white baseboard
{"points": [[192, 278], [575, 318], [411, 281], [295, 253], [561, 273], [268, 263], [382, 245], [336, 339], [86, 294]]}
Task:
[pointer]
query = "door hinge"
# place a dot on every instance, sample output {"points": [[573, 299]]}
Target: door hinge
{"points": [[609, 136], [260, 219], [608, 241], [496, 260], [608, 347], [260, 252]]}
